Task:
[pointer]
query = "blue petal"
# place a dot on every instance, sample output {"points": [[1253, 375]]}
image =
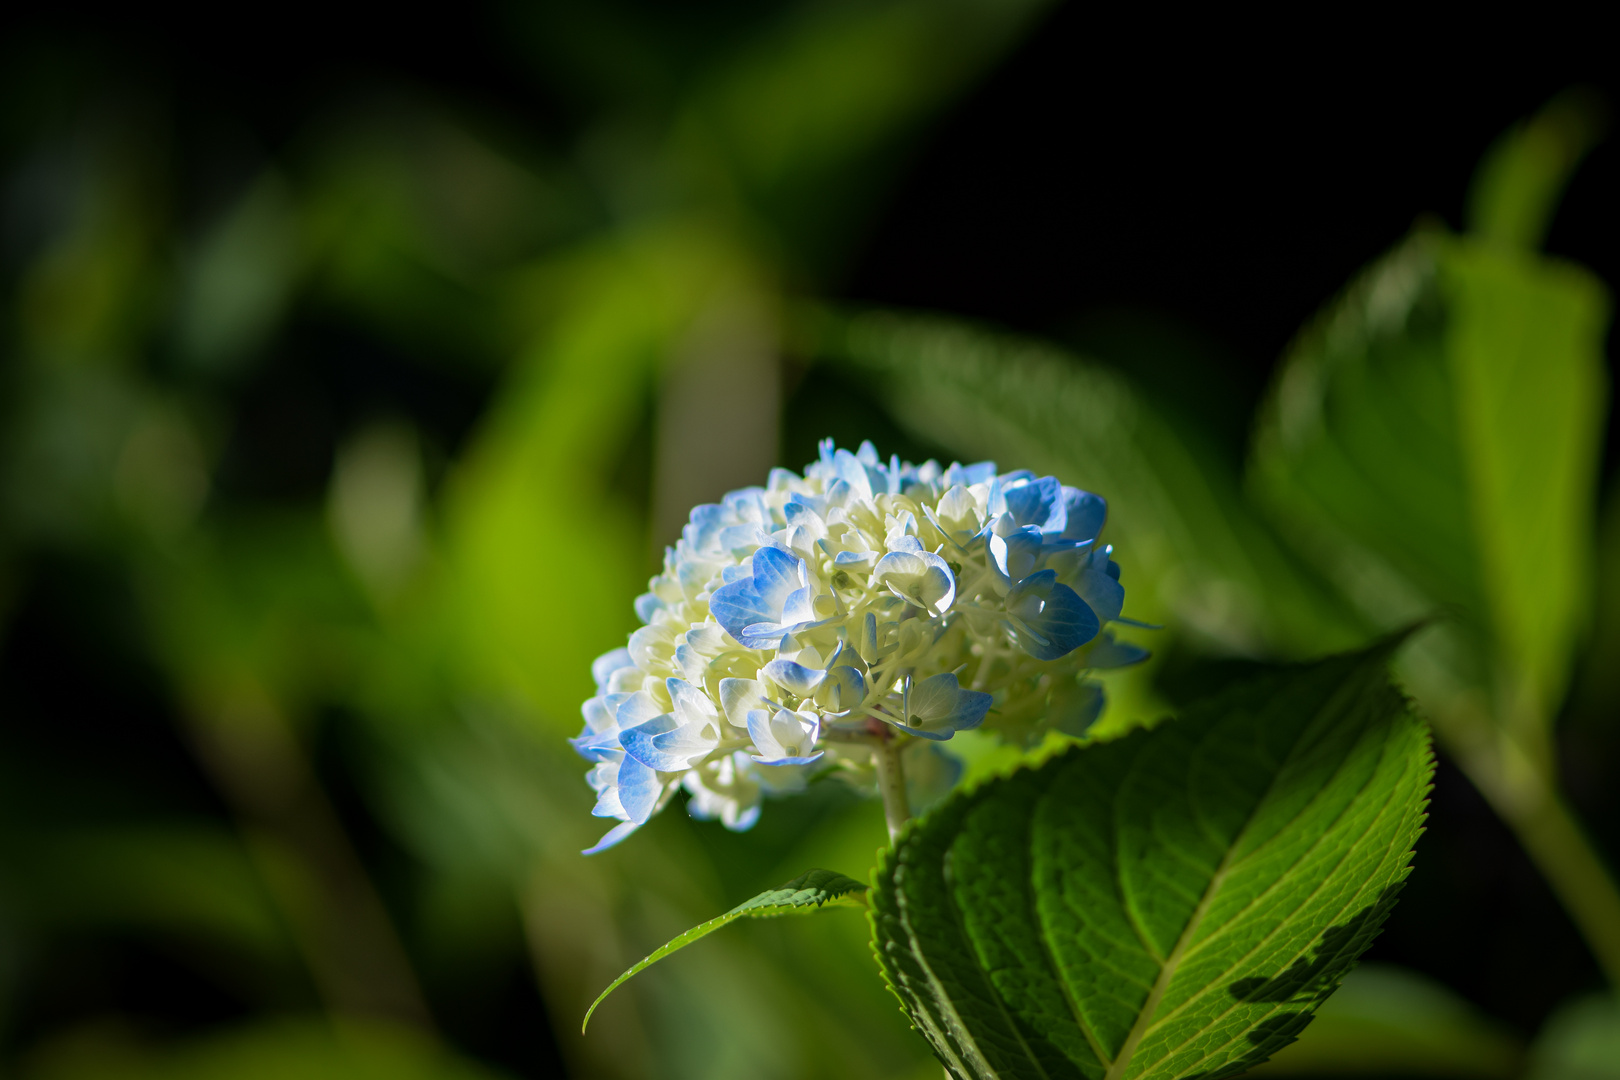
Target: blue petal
{"points": [[1109, 653], [978, 473], [776, 575], [1033, 503], [614, 835], [789, 760], [681, 745], [1014, 555], [1065, 622], [639, 745], [795, 678], [799, 607], [739, 605], [629, 710], [1102, 593], [603, 667], [1075, 706], [1138, 623], [706, 522], [596, 746], [639, 789], [1085, 514], [936, 734], [648, 605], [971, 710], [801, 506], [764, 635]]}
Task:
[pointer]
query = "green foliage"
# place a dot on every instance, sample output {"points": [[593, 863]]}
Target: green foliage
{"points": [[292, 1049], [1386, 1020], [1173, 903], [810, 892], [1437, 424], [1517, 187], [1193, 550], [1581, 1041]]}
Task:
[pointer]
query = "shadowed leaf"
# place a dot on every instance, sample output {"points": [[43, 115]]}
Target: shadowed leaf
{"points": [[1175, 903]]}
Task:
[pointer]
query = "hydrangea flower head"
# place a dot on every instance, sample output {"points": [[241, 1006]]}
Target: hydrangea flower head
{"points": [[795, 624]]}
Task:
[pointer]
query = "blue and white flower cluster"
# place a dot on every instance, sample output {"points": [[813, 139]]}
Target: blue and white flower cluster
{"points": [[795, 624]]}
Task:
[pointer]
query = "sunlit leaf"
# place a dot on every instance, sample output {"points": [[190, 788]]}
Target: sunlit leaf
{"points": [[1174, 903], [805, 894], [1432, 442]]}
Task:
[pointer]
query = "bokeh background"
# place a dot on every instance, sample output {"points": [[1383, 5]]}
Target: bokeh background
{"points": [[355, 370]]}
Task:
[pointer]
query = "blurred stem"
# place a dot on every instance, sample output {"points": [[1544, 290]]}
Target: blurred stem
{"points": [[304, 855], [891, 776], [1519, 782]]}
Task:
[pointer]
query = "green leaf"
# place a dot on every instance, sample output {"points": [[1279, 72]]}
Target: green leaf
{"points": [[1432, 442], [1191, 548], [1581, 1041], [809, 892], [1174, 903], [1386, 1020], [1518, 185]]}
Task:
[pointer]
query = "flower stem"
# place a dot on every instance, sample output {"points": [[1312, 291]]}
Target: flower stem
{"points": [[1518, 782], [891, 775]]}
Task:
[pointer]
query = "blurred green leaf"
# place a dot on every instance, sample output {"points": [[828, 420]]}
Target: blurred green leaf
{"points": [[1518, 185], [289, 1049], [544, 558], [259, 602], [1386, 1020], [803, 113], [1174, 902], [811, 891], [1432, 443], [239, 277], [188, 880], [1190, 546], [1581, 1041]]}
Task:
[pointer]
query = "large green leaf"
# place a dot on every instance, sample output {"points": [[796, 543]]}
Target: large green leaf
{"points": [[807, 893], [1174, 903], [1432, 443]]}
